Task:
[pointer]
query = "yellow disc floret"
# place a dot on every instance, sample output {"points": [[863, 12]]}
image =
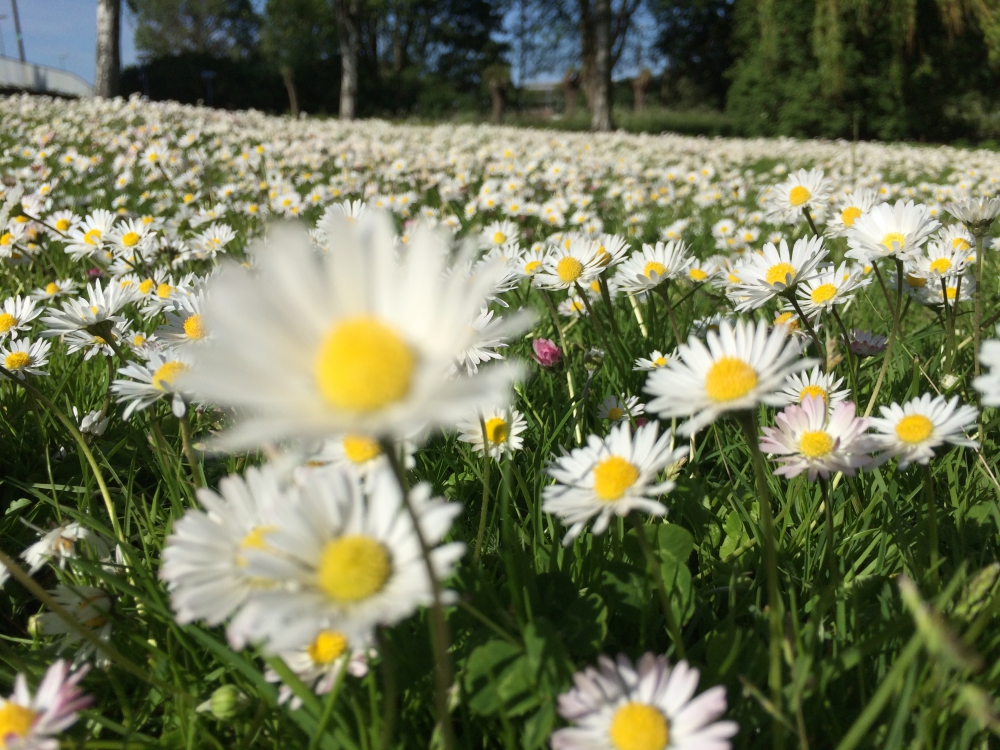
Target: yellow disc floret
{"points": [[17, 360], [326, 647], [815, 444], [569, 269], [532, 267], [653, 267], [51, 288], [353, 568], [781, 273], [913, 429], [167, 373], [194, 327], [497, 430], [639, 726], [360, 449], [849, 215], [499, 238], [7, 321], [130, 239], [364, 365], [823, 293], [799, 196], [941, 265], [893, 241], [15, 722], [612, 477], [812, 390], [696, 274], [729, 379]]}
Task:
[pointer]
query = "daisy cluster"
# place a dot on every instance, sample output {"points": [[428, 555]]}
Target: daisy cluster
{"points": [[323, 334]]}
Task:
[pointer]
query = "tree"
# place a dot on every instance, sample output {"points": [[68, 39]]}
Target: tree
{"points": [[214, 27], [348, 19], [294, 34], [108, 65], [696, 37]]}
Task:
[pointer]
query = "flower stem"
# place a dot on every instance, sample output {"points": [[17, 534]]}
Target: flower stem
{"points": [[977, 304], [664, 292], [197, 475], [820, 349], [748, 421], [932, 531], [612, 352], [653, 564], [606, 296], [892, 337], [828, 508], [487, 460], [81, 444], [809, 218], [851, 371], [440, 638]]}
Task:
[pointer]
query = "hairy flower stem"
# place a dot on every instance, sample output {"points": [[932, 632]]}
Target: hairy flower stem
{"points": [[653, 565], [197, 475], [487, 460], [809, 218], [892, 337], [820, 349], [664, 292], [932, 531], [440, 637], [81, 444], [748, 421]]}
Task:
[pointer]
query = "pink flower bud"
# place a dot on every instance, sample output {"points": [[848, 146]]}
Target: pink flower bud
{"points": [[547, 354]]}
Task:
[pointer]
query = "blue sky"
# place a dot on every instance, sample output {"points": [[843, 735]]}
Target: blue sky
{"points": [[53, 28]]}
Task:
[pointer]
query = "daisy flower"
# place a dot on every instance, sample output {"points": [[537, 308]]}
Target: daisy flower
{"points": [[741, 366], [344, 557], [803, 189], [978, 214], [32, 723], [150, 381], [87, 238], [619, 409], [814, 384], [573, 307], [656, 360], [912, 431], [358, 341], [848, 209], [896, 231], [17, 313], [92, 423], [204, 560], [989, 383], [319, 665], [699, 271], [500, 233], [185, 325], [866, 343], [23, 357], [88, 605], [101, 306], [611, 477], [943, 260], [776, 271], [812, 438], [129, 236], [621, 706], [653, 265], [53, 289], [358, 453], [564, 267], [503, 428], [959, 288], [56, 544], [830, 287], [530, 261]]}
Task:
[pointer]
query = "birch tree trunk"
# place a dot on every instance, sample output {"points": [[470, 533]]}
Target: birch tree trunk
{"points": [[288, 78], [109, 18], [601, 105], [347, 30]]}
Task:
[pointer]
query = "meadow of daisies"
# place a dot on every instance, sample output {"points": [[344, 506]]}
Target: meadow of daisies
{"points": [[323, 435]]}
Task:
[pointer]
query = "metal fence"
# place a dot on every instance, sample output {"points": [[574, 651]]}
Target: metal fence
{"points": [[41, 79]]}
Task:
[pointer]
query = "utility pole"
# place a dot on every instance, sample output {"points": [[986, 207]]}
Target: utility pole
{"points": [[17, 30]]}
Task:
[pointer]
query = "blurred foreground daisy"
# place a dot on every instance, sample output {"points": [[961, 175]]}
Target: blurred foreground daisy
{"points": [[912, 431], [358, 341], [611, 477], [31, 723], [737, 368], [647, 706], [989, 383]]}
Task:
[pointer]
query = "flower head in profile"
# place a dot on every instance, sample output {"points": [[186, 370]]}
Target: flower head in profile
{"points": [[988, 383], [358, 341], [896, 231], [809, 437], [32, 722], [913, 430], [24, 357], [655, 361], [645, 706], [16, 316], [814, 383], [737, 368], [866, 343], [978, 214], [496, 431], [611, 477], [775, 271]]}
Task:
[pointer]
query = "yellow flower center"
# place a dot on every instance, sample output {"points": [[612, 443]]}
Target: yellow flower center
{"points": [[952, 292], [130, 239], [6, 238], [255, 539], [326, 647], [569, 269], [960, 243], [849, 215], [799, 195], [638, 726], [92, 236], [915, 281], [360, 449], [188, 197], [499, 238], [892, 239], [823, 293], [660, 362], [653, 267], [138, 340], [17, 360], [51, 288], [7, 321], [612, 477], [497, 430], [815, 444], [697, 274], [941, 265], [730, 378], [15, 720], [602, 256], [532, 267], [147, 286], [164, 290], [167, 373], [353, 568], [194, 327], [364, 365], [615, 413], [782, 273], [913, 429], [812, 390], [62, 224]]}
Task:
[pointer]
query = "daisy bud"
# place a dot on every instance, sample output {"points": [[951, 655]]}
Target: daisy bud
{"points": [[547, 354], [226, 703]]}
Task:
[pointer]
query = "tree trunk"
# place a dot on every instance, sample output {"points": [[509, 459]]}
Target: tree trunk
{"points": [[497, 97], [587, 50], [571, 84], [288, 77], [347, 30], [601, 105], [109, 19]]}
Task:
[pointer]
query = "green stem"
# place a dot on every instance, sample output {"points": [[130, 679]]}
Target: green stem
{"points": [[653, 564], [809, 218], [977, 304], [328, 705], [820, 349], [81, 444], [932, 531], [611, 352], [748, 421], [664, 291], [606, 296], [851, 371], [486, 493], [390, 693], [440, 638], [197, 475], [828, 508], [892, 338]]}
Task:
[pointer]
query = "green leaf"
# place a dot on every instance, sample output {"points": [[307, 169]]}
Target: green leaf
{"points": [[499, 677]]}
